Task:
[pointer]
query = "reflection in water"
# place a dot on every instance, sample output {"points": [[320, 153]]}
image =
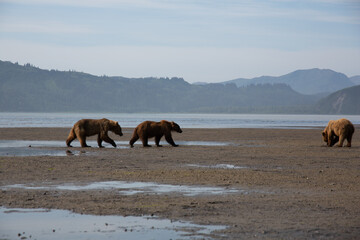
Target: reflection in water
{"points": [[221, 166], [120, 144], [24, 152], [41, 148], [62, 224]]}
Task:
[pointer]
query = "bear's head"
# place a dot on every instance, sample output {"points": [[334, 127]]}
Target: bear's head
{"points": [[325, 136], [334, 138], [175, 127], [115, 128]]}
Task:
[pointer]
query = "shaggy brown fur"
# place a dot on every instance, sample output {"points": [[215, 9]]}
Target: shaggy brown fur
{"points": [[338, 130], [149, 129], [89, 127]]}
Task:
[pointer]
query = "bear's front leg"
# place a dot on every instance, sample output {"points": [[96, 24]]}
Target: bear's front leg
{"points": [[107, 139], [170, 140], [157, 141], [334, 140], [330, 141]]}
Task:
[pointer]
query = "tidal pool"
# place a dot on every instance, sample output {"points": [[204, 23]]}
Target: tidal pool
{"points": [[75, 143], [16, 223], [131, 188], [23, 148], [11, 148], [30, 151], [221, 166]]}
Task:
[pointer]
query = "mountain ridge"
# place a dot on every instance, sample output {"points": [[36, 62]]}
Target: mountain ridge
{"points": [[344, 101], [306, 81]]}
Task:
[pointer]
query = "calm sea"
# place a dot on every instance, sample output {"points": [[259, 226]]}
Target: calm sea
{"points": [[184, 120]]}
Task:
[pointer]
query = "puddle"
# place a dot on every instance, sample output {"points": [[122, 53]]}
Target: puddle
{"points": [[93, 143], [131, 188], [184, 143], [22, 148], [221, 166], [35, 143], [23, 152], [18, 223], [204, 143]]}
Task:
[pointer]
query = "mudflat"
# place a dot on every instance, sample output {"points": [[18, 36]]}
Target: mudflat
{"points": [[278, 183]]}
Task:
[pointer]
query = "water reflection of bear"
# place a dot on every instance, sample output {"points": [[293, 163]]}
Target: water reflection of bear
{"points": [[149, 129]]}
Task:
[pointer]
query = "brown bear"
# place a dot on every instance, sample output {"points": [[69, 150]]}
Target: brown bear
{"points": [[338, 130], [89, 127], [149, 129]]}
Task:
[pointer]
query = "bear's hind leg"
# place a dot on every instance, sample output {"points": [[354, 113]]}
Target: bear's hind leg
{"points": [[341, 140], [82, 137], [144, 140], [134, 138], [99, 141], [349, 140], [157, 141], [82, 141], [70, 138]]}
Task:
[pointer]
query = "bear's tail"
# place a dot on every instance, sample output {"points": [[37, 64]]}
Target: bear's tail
{"points": [[71, 137]]}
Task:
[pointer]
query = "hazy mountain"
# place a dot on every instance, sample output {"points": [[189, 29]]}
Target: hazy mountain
{"points": [[312, 81], [27, 88], [355, 80], [345, 101]]}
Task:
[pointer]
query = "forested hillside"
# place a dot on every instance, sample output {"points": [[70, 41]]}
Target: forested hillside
{"points": [[28, 88]]}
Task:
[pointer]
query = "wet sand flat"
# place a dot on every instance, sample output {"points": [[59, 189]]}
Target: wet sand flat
{"points": [[290, 185]]}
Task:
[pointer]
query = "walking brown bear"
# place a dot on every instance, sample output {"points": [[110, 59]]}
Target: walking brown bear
{"points": [[89, 127], [149, 129]]}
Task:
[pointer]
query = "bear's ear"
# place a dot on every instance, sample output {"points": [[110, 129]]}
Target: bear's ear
{"points": [[116, 123]]}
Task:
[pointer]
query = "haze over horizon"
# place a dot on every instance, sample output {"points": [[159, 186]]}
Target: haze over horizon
{"points": [[210, 41]]}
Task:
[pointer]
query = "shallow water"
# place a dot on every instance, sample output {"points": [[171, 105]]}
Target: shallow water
{"points": [[184, 120], [131, 188], [11, 148], [35, 143], [61, 224], [24, 152], [39, 148], [221, 166]]}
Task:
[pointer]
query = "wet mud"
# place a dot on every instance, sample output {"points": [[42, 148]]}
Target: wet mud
{"points": [[288, 184]]}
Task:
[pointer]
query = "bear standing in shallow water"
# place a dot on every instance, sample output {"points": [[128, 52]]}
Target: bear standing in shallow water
{"points": [[338, 130], [149, 129], [89, 127]]}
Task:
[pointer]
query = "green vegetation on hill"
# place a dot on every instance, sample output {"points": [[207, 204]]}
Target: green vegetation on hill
{"points": [[27, 88], [345, 101]]}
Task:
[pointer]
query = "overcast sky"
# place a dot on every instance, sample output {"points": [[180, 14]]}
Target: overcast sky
{"points": [[207, 41]]}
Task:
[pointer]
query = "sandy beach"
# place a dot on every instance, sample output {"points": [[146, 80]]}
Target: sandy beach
{"points": [[286, 183]]}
